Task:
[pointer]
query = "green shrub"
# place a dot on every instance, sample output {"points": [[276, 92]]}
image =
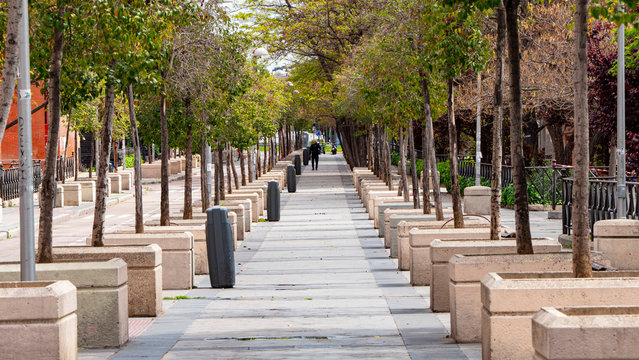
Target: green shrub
{"points": [[444, 174], [130, 161], [395, 158]]}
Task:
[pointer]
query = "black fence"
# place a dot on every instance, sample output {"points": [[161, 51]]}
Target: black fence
{"points": [[10, 179], [602, 201], [65, 167]]}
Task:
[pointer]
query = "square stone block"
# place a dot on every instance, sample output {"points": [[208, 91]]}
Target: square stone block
{"points": [[72, 194], [387, 215], [233, 220], [259, 185], [261, 203], [175, 166], [510, 300], [38, 320], [152, 171], [466, 271], [248, 210], [442, 251], [87, 190], [477, 200], [594, 333], [116, 183], [59, 196], [102, 297], [127, 180], [144, 270], [618, 240], [419, 250], [177, 255], [396, 219], [403, 234], [371, 195]]}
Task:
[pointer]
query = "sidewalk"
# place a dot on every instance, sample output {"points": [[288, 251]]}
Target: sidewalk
{"points": [[318, 283]]}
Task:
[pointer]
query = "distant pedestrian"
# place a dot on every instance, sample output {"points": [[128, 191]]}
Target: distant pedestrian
{"points": [[315, 151]]}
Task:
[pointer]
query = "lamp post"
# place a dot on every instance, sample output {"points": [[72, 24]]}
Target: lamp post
{"points": [[478, 134], [27, 244], [621, 124]]}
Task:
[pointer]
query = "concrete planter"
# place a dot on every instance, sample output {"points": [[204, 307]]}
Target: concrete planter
{"points": [[87, 191], [373, 215], [102, 297], [386, 221], [233, 220], [618, 240], [510, 300], [38, 320], [477, 200], [404, 228], [152, 171], [127, 180], [466, 271], [256, 211], [177, 255], [248, 211], [419, 218], [442, 251], [419, 250], [116, 183], [175, 166], [594, 333], [371, 195], [200, 260], [379, 218], [144, 272]]}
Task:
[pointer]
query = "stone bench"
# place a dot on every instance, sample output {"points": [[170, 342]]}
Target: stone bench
{"points": [[403, 235], [247, 205], [102, 297], [419, 251], [200, 218], [466, 271], [116, 183], [59, 195], [442, 251], [38, 320], [86, 188], [177, 255], [144, 270]]}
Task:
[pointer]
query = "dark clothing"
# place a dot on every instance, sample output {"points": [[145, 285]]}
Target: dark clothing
{"points": [[315, 162], [316, 149]]}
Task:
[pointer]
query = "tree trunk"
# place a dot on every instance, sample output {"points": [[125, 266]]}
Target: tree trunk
{"points": [[265, 164], [204, 174], [137, 166], [77, 157], [429, 133], [581, 230], [258, 164], [402, 164], [220, 164], [242, 168], [64, 157], [164, 173], [103, 166], [498, 115], [9, 70], [229, 159], [47, 195], [92, 158], [188, 172], [452, 156], [236, 182], [389, 171], [413, 160], [115, 156], [216, 177], [522, 221], [249, 160]]}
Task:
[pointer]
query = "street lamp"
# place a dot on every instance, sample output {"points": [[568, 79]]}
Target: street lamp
{"points": [[621, 124]]}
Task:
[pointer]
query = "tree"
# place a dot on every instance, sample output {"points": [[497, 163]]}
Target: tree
{"points": [[498, 113]]}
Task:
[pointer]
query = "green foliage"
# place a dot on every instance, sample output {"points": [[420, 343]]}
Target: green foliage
{"points": [[130, 161], [444, 174]]}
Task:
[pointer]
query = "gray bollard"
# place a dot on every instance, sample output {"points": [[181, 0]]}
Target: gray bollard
{"points": [[306, 155], [219, 248], [291, 180], [273, 210], [298, 165]]}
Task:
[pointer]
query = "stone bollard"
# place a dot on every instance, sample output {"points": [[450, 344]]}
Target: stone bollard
{"points": [[290, 179], [273, 208], [219, 244], [618, 240], [477, 200]]}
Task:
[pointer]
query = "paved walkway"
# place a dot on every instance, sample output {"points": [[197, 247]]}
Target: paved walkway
{"points": [[317, 283]]}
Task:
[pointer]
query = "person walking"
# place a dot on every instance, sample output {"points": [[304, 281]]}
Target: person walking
{"points": [[315, 151]]}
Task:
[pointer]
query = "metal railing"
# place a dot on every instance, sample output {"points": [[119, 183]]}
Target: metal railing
{"points": [[65, 167], [602, 204], [10, 179]]}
